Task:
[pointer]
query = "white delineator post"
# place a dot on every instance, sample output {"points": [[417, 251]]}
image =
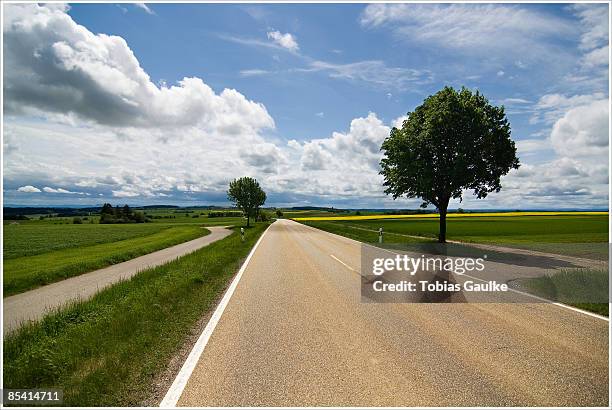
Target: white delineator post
{"points": [[242, 234], [380, 235]]}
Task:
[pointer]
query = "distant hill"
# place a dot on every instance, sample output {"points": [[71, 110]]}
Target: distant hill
{"points": [[313, 208], [9, 212]]}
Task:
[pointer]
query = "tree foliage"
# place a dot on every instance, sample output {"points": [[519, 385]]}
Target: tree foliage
{"points": [[247, 195], [120, 215], [454, 141]]}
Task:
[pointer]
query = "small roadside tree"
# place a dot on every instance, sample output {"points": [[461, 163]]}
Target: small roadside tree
{"points": [[454, 141], [246, 194]]}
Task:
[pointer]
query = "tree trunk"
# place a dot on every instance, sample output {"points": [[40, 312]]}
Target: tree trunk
{"points": [[442, 236], [443, 208]]}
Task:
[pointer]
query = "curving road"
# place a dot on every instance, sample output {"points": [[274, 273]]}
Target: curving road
{"points": [[294, 333], [34, 304]]}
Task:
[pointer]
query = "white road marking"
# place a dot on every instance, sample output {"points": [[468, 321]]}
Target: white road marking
{"points": [[176, 390], [561, 305], [347, 266], [547, 300]]}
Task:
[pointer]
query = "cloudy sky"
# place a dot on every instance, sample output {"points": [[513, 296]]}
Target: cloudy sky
{"points": [[156, 103]]}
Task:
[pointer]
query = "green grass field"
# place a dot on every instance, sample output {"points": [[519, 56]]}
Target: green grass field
{"points": [[359, 233], [584, 288], [107, 351], [190, 216], [35, 238], [28, 272], [585, 236]]}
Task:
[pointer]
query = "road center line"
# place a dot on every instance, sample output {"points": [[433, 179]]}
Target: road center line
{"points": [[176, 389]]}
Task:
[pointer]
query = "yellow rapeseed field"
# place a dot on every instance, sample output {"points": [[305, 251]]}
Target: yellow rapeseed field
{"points": [[453, 215]]}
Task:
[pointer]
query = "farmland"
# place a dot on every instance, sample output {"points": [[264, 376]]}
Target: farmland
{"points": [[45, 247], [108, 351], [59, 252], [578, 234], [35, 238]]}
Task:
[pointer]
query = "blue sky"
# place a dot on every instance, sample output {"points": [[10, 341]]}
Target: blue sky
{"points": [[98, 108]]}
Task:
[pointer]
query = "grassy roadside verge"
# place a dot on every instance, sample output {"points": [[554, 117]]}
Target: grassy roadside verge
{"points": [[573, 287], [106, 351], [360, 234], [21, 274]]}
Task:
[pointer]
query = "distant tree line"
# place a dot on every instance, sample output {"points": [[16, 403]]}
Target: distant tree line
{"points": [[120, 215], [14, 213], [16, 217], [224, 214]]}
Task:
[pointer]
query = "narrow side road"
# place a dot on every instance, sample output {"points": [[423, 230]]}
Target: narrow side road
{"points": [[34, 304], [295, 333]]}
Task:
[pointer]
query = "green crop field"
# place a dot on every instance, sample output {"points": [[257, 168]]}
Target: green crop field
{"points": [[584, 288], [98, 246], [35, 238], [108, 351], [578, 235], [189, 216]]}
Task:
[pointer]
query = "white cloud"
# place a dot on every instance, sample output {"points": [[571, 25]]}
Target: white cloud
{"points": [[28, 188], [340, 151], [54, 65], [592, 71], [253, 72], [532, 145], [578, 175], [144, 7], [551, 107], [514, 101], [373, 72], [500, 73], [286, 40], [583, 131], [594, 19], [520, 64], [597, 57], [125, 194], [61, 191], [470, 28], [265, 157]]}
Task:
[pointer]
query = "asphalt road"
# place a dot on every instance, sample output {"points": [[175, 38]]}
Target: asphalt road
{"points": [[34, 304], [295, 334]]}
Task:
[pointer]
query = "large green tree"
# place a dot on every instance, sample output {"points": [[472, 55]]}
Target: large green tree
{"points": [[455, 141], [247, 195]]}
